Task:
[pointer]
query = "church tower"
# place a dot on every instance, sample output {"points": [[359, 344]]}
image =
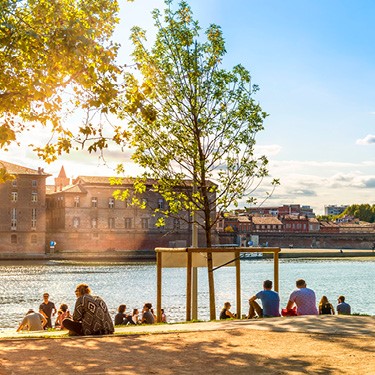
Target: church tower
{"points": [[61, 180]]}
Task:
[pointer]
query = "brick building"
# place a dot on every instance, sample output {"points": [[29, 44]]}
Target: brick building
{"points": [[286, 209], [23, 210], [85, 216]]}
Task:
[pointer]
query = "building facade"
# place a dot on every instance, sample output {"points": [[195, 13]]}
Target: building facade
{"points": [[85, 216], [334, 209], [23, 210]]}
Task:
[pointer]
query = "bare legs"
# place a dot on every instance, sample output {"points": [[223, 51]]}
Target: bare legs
{"points": [[255, 310]]}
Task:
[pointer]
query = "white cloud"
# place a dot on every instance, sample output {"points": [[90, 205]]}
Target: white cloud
{"points": [[268, 150], [368, 140]]}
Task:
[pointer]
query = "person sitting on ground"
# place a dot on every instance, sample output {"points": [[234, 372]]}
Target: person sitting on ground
{"points": [[343, 308], [270, 302], [225, 313], [304, 298], [121, 318], [163, 316], [62, 314], [134, 319], [47, 309], [90, 316], [325, 307], [147, 316], [33, 321]]}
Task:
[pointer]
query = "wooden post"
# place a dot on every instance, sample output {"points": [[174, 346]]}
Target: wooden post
{"points": [[188, 285], [276, 270], [238, 285], [158, 284]]}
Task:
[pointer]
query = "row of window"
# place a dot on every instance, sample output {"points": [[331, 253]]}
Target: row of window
{"points": [[111, 202], [128, 223], [13, 218], [296, 226], [14, 238], [34, 183], [14, 196]]}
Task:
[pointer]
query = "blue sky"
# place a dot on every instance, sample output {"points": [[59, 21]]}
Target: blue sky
{"points": [[314, 61]]}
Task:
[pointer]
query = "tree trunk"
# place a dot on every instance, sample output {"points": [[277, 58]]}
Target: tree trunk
{"points": [[211, 283]]}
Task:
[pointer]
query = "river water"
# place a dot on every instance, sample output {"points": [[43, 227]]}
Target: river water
{"points": [[23, 284]]}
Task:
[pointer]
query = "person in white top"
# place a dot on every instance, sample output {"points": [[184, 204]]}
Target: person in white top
{"points": [[33, 321], [304, 298]]}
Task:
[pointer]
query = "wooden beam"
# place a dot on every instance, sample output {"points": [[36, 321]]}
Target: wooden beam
{"points": [[159, 266], [188, 286], [238, 285], [276, 271]]}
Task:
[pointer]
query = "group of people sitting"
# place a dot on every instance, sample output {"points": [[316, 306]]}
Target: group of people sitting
{"points": [[148, 316], [302, 301], [90, 316]]}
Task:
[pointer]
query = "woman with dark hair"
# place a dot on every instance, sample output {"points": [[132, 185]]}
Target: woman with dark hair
{"points": [[121, 318], [91, 316]]}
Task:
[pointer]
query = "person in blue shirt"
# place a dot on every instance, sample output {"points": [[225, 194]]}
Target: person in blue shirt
{"points": [[270, 302], [343, 308]]}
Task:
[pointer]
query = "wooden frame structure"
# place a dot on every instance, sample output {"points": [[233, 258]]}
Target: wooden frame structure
{"points": [[187, 257]]}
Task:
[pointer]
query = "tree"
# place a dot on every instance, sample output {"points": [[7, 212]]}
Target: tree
{"points": [[363, 212], [193, 122], [56, 55]]}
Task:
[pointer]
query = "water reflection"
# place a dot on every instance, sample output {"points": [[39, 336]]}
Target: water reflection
{"points": [[22, 284]]}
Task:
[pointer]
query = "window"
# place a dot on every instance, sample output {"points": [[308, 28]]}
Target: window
{"points": [[34, 238], [34, 183], [14, 183], [76, 222], [111, 202], [94, 223], [111, 222], [76, 201], [34, 197], [14, 196], [144, 223], [94, 202], [33, 218], [128, 223], [13, 219], [13, 238], [160, 203], [176, 224]]}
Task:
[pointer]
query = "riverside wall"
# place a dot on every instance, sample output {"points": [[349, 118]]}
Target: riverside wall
{"points": [[308, 240]]}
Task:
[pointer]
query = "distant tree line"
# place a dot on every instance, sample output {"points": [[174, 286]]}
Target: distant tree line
{"points": [[363, 212]]}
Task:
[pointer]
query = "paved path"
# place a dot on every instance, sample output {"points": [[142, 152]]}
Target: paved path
{"points": [[324, 324]]}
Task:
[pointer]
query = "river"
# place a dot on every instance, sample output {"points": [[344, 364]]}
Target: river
{"points": [[22, 284]]}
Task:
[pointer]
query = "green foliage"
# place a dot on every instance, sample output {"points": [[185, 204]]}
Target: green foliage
{"points": [[364, 212], [56, 56], [326, 217], [193, 122]]}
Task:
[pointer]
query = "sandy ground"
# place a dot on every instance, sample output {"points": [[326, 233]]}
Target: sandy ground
{"points": [[300, 345]]}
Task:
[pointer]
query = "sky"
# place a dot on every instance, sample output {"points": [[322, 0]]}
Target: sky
{"points": [[314, 61]]}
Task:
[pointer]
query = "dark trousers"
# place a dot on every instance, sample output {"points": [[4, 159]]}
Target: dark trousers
{"points": [[75, 328]]}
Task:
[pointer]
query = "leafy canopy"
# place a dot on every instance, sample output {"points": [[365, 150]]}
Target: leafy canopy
{"points": [[55, 56], [193, 122]]}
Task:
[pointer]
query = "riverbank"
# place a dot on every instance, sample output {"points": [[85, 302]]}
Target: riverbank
{"points": [[293, 345], [149, 255]]}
